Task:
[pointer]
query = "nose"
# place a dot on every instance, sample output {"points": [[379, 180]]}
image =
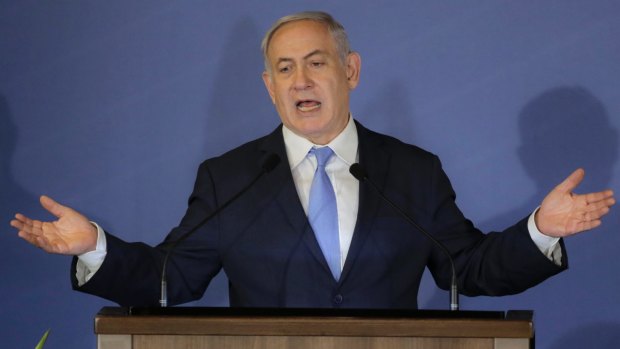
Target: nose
{"points": [[302, 79]]}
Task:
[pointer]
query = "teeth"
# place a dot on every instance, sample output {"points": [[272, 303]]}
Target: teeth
{"points": [[305, 108]]}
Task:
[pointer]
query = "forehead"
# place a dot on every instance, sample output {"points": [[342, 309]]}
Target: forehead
{"points": [[300, 38]]}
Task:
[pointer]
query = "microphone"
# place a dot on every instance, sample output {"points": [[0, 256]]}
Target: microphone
{"points": [[360, 174], [268, 164]]}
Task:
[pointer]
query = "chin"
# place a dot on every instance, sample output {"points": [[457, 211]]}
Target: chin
{"points": [[313, 129]]}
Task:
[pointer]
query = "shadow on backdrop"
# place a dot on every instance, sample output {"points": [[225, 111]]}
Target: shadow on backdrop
{"points": [[239, 107], [563, 129], [24, 269], [560, 130], [13, 198]]}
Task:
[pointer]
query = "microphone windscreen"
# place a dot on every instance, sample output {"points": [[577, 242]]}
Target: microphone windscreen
{"points": [[358, 172], [271, 161]]}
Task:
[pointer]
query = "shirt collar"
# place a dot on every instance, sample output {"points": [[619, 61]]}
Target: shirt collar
{"points": [[344, 145]]}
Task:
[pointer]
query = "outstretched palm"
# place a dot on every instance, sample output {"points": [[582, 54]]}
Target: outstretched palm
{"points": [[565, 213], [71, 234]]}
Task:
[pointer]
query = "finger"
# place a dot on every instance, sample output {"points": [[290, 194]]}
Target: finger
{"points": [[607, 203], [17, 224], [592, 202], [603, 196], [30, 238], [40, 242], [587, 225], [20, 217], [22, 224], [596, 214], [52, 206], [50, 244], [44, 243], [571, 182]]}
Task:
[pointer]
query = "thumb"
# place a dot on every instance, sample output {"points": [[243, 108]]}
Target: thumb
{"points": [[571, 182], [52, 206]]}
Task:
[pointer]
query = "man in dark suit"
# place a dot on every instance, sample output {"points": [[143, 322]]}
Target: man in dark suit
{"points": [[273, 242]]}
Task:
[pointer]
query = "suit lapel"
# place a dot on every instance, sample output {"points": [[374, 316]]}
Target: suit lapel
{"points": [[374, 159], [286, 196]]}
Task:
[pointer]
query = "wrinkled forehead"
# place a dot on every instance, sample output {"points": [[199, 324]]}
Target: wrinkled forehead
{"points": [[300, 38]]}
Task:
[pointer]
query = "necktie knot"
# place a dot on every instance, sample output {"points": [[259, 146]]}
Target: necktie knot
{"points": [[322, 155]]}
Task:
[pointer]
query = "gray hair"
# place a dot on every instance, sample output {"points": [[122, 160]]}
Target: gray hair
{"points": [[334, 27]]}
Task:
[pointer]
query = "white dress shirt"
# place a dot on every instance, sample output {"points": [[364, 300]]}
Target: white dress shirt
{"points": [[346, 187]]}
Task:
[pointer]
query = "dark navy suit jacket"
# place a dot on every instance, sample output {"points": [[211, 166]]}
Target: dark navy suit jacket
{"points": [[264, 242]]}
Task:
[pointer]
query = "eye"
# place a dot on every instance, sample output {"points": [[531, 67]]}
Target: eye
{"points": [[317, 64], [284, 68]]}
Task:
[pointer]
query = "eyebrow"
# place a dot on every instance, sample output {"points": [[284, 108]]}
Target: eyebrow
{"points": [[313, 53]]}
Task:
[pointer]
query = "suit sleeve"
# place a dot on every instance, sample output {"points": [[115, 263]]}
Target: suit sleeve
{"points": [[494, 264], [131, 272]]}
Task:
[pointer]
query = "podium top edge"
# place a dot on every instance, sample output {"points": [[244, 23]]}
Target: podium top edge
{"points": [[313, 312]]}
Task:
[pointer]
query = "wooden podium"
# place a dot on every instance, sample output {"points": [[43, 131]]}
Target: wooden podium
{"points": [[228, 328]]}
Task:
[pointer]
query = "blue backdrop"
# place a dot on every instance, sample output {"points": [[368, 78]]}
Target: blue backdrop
{"points": [[109, 106]]}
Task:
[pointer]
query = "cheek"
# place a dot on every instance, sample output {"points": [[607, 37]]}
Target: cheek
{"points": [[283, 95]]}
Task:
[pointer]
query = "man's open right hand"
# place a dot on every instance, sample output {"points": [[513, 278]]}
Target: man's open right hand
{"points": [[71, 234]]}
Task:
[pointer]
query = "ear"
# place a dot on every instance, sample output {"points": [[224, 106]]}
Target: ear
{"points": [[269, 85], [353, 67]]}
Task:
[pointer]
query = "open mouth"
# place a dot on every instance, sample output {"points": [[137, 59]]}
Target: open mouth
{"points": [[308, 105]]}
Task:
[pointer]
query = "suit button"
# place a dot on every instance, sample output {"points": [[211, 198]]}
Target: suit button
{"points": [[338, 299]]}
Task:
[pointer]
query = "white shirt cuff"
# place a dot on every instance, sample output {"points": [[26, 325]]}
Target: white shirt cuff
{"points": [[89, 262], [548, 245]]}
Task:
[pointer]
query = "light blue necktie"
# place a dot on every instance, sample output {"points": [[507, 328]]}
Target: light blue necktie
{"points": [[323, 212]]}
